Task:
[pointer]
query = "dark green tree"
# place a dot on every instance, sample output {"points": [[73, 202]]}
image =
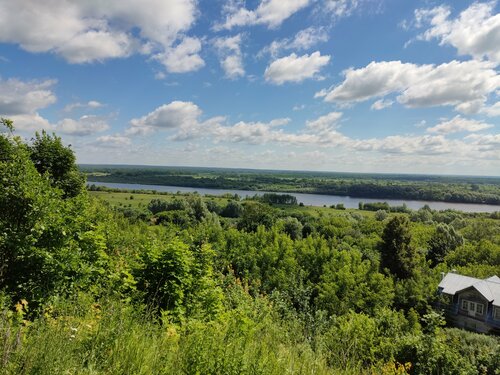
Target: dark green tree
{"points": [[444, 240], [178, 279], [157, 205], [396, 251], [292, 227], [47, 243], [349, 282], [256, 214], [51, 157], [233, 209], [5, 144], [197, 207]]}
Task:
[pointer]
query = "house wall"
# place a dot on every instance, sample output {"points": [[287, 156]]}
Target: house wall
{"points": [[471, 324], [473, 296]]}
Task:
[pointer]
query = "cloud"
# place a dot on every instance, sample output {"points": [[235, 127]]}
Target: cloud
{"points": [[340, 8], [25, 97], [303, 40], [308, 38], [295, 68], [459, 124], [320, 131], [85, 32], [112, 141], [269, 12], [323, 132], [412, 145], [97, 46], [176, 114], [324, 123], [92, 104], [20, 101], [492, 110], [85, 125], [250, 133], [31, 122], [376, 79], [381, 104], [230, 56], [475, 32], [464, 85], [486, 142], [182, 58]]}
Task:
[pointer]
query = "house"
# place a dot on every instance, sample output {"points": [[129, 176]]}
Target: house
{"points": [[471, 303]]}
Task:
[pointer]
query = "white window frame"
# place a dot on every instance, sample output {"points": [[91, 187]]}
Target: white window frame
{"points": [[477, 309], [474, 307], [465, 305], [496, 313]]}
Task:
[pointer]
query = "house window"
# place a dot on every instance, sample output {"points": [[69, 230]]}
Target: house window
{"points": [[497, 313], [479, 308], [473, 308]]}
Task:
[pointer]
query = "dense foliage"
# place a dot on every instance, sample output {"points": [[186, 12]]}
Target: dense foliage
{"points": [[412, 187], [180, 284]]}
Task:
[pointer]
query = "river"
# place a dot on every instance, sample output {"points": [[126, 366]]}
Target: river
{"points": [[310, 199]]}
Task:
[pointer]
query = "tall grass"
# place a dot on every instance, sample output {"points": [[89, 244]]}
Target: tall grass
{"points": [[113, 338]]}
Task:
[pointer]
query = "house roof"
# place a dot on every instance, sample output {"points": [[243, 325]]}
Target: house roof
{"points": [[489, 288], [495, 279]]}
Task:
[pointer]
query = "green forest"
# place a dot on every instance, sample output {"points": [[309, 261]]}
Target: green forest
{"points": [[457, 189], [110, 282]]}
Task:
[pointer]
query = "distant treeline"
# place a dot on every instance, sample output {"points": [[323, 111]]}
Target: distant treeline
{"points": [[448, 189], [273, 198]]}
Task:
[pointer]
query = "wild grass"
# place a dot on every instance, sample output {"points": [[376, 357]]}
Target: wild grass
{"points": [[114, 338]]}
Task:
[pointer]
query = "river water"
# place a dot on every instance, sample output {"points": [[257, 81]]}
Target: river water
{"points": [[309, 199]]}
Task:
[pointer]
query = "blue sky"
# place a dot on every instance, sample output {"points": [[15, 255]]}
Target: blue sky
{"points": [[336, 85]]}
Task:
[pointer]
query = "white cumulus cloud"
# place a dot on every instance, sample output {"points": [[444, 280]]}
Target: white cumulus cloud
{"points": [[459, 124], [303, 40], [230, 56], [21, 100], [85, 125], [176, 114], [112, 141], [269, 12], [91, 104], [25, 97], [89, 31], [322, 133], [475, 32], [464, 85], [182, 58], [492, 110], [295, 68], [324, 123]]}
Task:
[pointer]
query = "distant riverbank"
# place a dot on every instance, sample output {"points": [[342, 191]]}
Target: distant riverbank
{"points": [[449, 189], [309, 199]]}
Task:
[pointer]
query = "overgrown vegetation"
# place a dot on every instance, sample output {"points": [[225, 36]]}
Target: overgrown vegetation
{"points": [[130, 283]]}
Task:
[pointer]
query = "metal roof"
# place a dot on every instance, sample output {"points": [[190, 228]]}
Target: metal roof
{"points": [[489, 288], [494, 279]]}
